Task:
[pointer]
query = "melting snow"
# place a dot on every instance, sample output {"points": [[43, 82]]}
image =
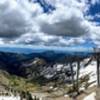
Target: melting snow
{"points": [[9, 98], [91, 68], [90, 97]]}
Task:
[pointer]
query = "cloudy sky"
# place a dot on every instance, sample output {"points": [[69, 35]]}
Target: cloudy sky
{"points": [[50, 22]]}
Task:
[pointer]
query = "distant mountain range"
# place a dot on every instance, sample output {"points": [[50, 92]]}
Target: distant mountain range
{"points": [[33, 49], [13, 57], [15, 49]]}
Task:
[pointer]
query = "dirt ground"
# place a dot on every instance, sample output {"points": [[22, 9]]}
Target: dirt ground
{"points": [[81, 96]]}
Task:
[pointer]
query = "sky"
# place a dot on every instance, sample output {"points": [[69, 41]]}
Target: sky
{"points": [[50, 22]]}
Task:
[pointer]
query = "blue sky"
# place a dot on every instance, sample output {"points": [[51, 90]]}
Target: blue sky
{"points": [[50, 22], [93, 11]]}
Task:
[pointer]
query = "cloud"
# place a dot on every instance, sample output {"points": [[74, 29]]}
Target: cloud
{"points": [[66, 20], [15, 18], [93, 2], [23, 22], [63, 28], [95, 36], [47, 40], [38, 38], [69, 19]]}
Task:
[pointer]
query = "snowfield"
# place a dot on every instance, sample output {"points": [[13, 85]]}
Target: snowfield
{"points": [[10, 98], [92, 70], [90, 97]]}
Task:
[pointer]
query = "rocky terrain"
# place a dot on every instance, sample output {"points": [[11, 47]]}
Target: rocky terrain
{"points": [[23, 72]]}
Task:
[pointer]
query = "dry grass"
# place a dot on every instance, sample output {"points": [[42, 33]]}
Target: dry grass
{"points": [[17, 83]]}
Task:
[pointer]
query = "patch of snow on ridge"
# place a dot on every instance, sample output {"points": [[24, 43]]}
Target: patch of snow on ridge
{"points": [[9, 98], [90, 97], [91, 70]]}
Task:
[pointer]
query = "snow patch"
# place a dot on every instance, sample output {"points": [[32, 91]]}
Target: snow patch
{"points": [[90, 97], [91, 69]]}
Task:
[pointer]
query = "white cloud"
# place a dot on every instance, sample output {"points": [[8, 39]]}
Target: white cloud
{"points": [[66, 20], [16, 18], [97, 15], [93, 2], [43, 39], [95, 34], [27, 22]]}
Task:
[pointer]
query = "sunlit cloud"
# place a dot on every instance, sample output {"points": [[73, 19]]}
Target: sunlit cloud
{"points": [[24, 22]]}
